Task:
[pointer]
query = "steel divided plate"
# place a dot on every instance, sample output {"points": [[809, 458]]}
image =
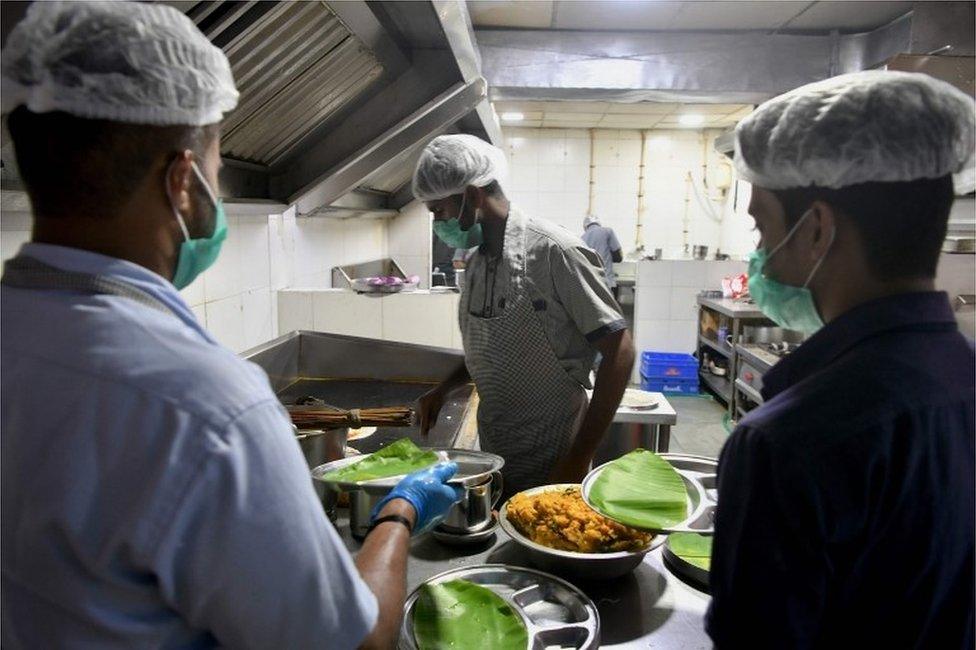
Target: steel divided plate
{"points": [[698, 473], [474, 468], [555, 612], [694, 574]]}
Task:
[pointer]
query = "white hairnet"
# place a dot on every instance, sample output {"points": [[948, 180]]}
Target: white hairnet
{"points": [[449, 163], [874, 126], [589, 220], [119, 61]]}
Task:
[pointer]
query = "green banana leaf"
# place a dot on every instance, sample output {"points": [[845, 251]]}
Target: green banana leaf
{"points": [[692, 548], [458, 614], [400, 457], [641, 490]]}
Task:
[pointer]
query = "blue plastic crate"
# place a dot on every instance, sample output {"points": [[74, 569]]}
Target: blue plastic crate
{"points": [[668, 366], [685, 386]]}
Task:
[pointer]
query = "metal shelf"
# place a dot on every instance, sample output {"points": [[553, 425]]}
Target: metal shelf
{"points": [[724, 350], [721, 385], [749, 391]]}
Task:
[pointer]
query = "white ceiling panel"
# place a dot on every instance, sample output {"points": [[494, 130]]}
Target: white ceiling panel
{"points": [[850, 16], [615, 14], [630, 121], [573, 117], [642, 108], [648, 15], [734, 15], [642, 115], [535, 14]]}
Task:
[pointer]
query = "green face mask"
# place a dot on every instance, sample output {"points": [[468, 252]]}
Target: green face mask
{"points": [[197, 255], [450, 231], [788, 306]]}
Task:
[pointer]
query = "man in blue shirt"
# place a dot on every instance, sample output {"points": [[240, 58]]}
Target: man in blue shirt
{"points": [[603, 240], [153, 494], [846, 501]]}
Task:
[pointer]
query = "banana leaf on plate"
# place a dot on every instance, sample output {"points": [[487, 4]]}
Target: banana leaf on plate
{"points": [[400, 457], [693, 548], [641, 490], [460, 614]]}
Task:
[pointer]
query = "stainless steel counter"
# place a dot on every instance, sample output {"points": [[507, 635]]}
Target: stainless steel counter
{"points": [[648, 608]]}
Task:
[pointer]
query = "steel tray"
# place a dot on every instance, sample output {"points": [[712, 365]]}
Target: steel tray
{"points": [[698, 473], [555, 612], [474, 468]]}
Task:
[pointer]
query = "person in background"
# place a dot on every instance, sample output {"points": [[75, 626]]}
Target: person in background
{"points": [[154, 494], [603, 240], [846, 500], [533, 314]]}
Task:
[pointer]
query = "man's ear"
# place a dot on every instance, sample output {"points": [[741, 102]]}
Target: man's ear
{"points": [[824, 218], [475, 196], [178, 179]]}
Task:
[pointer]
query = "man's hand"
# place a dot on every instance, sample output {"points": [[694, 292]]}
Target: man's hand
{"points": [[429, 407], [429, 494], [570, 469]]}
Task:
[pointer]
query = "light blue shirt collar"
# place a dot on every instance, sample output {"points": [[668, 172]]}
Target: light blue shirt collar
{"points": [[82, 261]]}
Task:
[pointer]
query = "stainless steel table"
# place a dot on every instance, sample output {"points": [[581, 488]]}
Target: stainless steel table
{"points": [[633, 428], [650, 608]]}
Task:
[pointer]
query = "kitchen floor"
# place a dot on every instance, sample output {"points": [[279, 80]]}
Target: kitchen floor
{"points": [[699, 430]]}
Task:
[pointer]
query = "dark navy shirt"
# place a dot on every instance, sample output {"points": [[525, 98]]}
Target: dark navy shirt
{"points": [[846, 501]]}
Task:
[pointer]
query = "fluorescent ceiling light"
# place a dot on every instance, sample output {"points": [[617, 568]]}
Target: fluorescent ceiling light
{"points": [[691, 119], [513, 117]]}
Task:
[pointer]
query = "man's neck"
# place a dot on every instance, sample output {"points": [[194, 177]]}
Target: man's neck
{"points": [[494, 220], [108, 237], [841, 304]]}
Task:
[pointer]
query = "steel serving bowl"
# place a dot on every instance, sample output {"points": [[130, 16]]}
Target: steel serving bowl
{"points": [[584, 566]]}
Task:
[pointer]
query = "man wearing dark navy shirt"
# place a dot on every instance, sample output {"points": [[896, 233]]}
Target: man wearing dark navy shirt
{"points": [[846, 500]]}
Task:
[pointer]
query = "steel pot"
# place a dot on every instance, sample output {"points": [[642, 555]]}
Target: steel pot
{"points": [[320, 447], [473, 512]]}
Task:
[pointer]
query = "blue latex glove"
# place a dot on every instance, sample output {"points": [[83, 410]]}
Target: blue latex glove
{"points": [[429, 494]]}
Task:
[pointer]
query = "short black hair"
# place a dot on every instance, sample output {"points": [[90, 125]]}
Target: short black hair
{"points": [[72, 165], [902, 225]]}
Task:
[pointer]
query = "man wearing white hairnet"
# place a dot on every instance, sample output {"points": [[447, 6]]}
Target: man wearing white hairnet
{"points": [[845, 514], [153, 492], [603, 240], [534, 311]]}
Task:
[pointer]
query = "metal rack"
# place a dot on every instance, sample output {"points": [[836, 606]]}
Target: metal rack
{"points": [[739, 313]]}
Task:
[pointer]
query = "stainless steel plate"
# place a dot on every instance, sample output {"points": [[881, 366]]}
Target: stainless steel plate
{"points": [[555, 612], [698, 473], [474, 468], [696, 575], [465, 539], [586, 566]]}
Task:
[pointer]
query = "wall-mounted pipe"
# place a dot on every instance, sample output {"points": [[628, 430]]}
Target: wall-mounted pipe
{"points": [[641, 206], [589, 209]]}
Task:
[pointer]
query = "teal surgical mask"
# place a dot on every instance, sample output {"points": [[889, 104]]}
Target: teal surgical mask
{"points": [[451, 233], [788, 306], [198, 255]]}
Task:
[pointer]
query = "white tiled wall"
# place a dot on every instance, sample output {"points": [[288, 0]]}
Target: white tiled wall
{"points": [[417, 317], [235, 299], [665, 309], [408, 241], [549, 178]]}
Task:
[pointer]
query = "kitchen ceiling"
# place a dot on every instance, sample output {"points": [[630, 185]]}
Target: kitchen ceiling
{"points": [[609, 115], [657, 15]]}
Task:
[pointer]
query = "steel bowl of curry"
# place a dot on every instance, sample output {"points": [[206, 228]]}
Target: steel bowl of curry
{"points": [[562, 535]]}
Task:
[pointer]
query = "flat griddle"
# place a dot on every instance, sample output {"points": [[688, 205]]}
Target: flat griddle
{"points": [[369, 393]]}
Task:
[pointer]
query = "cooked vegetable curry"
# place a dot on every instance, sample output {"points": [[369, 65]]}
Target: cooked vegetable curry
{"points": [[560, 519]]}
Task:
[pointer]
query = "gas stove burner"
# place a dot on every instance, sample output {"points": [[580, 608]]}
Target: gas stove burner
{"points": [[782, 348], [308, 400]]}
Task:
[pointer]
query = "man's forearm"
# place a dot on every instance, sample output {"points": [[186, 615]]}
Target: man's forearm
{"points": [[382, 563], [611, 381]]}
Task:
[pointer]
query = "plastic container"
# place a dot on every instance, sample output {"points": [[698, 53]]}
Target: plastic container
{"points": [[668, 366], [684, 386]]}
